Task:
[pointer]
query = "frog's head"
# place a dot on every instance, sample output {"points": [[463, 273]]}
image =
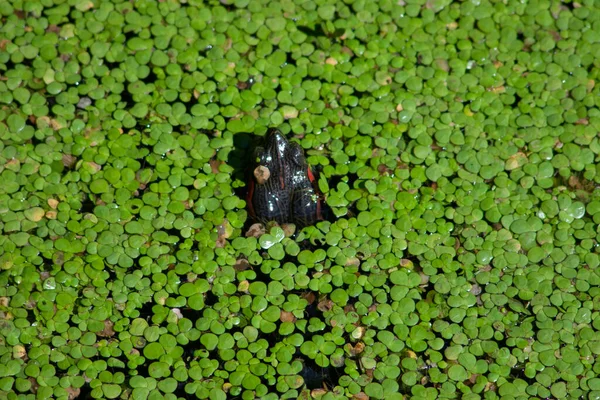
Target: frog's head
{"points": [[275, 146], [281, 188], [281, 157]]}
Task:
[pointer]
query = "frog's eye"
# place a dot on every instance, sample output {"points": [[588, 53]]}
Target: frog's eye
{"points": [[258, 155]]}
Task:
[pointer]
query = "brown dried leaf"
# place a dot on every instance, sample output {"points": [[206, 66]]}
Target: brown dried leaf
{"points": [[53, 28], [349, 308], [13, 162], [325, 305], [359, 332], [85, 5], [224, 231], [476, 289], [287, 316], [34, 385], [214, 165], [515, 161], [360, 396], [73, 392], [316, 393], [288, 229], [94, 166], [359, 348], [69, 160], [310, 297], [19, 351], [497, 89], [56, 124], [256, 230], [241, 264], [243, 286], [108, 329], [290, 113], [352, 261]]}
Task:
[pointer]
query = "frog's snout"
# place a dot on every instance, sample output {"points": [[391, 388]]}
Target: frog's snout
{"points": [[276, 142]]}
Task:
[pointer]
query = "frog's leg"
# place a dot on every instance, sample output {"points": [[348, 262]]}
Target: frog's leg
{"points": [[271, 205], [306, 205]]}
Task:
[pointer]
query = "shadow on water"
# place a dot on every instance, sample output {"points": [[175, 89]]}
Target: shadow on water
{"points": [[240, 157], [318, 31], [312, 32], [316, 377]]}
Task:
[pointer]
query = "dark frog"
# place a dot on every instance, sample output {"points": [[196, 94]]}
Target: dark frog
{"points": [[281, 187]]}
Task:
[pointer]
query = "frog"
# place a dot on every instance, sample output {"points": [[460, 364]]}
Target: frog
{"points": [[282, 186]]}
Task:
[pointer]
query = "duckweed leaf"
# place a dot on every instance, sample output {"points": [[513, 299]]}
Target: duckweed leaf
{"points": [[454, 146]]}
